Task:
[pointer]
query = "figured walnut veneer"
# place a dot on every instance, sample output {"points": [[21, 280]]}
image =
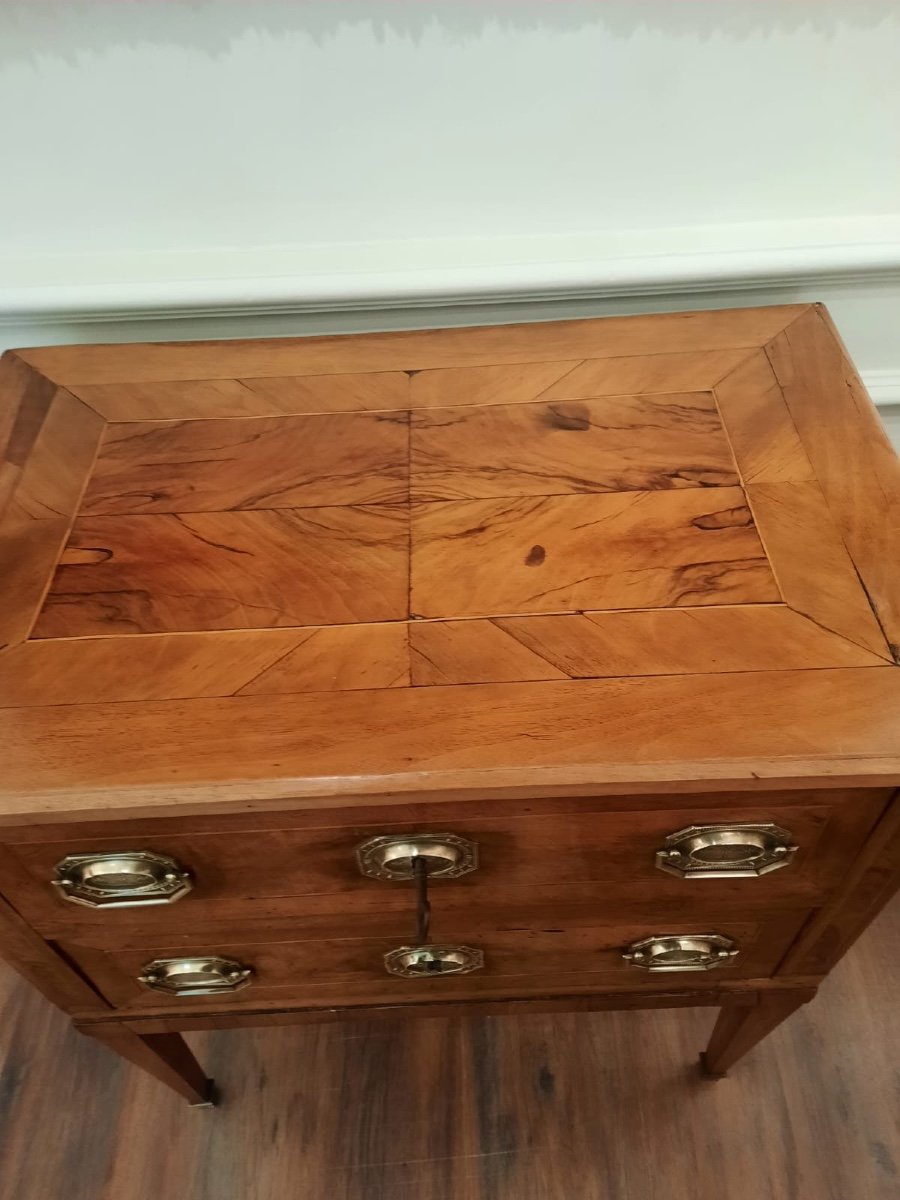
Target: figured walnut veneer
{"points": [[509, 505]]}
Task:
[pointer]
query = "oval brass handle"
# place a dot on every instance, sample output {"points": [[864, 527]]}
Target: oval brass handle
{"points": [[391, 856], [726, 851], [682, 952], [121, 879], [196, 976], [415, 962]]}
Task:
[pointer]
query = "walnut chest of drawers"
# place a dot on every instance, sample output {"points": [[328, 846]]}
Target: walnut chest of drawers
{"points": [[536, 666]]}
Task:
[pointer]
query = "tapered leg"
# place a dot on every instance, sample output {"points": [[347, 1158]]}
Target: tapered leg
{"points": [[739, 1029], [164, 1055]]}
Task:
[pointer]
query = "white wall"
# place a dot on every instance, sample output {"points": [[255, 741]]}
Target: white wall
{"points": [[352, 165]]}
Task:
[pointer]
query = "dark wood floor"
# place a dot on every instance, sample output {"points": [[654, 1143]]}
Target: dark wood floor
{"points": [[589, 1107]]}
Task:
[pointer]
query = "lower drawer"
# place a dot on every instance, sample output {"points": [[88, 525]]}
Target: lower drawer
{"points": [[578, 953]]}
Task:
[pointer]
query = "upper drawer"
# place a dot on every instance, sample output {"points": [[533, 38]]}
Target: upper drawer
{"points": [[241, 871]]}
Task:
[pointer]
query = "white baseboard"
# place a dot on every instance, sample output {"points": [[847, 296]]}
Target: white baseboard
{"points": [[410, 273], [852, 265], [883, 387]]}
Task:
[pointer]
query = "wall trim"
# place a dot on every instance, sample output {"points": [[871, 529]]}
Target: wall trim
{"points": [[853, 265], [412, 273], [883, 387]]}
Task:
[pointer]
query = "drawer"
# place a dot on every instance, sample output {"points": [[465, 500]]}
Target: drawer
{"points": [[282, 864], [568, 951]]}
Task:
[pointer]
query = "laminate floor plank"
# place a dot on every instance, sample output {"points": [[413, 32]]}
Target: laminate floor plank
{"points": [[605, 1106]]}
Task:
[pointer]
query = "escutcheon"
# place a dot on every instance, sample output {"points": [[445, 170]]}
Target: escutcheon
{"points": [[391, 856], [414, 962]]}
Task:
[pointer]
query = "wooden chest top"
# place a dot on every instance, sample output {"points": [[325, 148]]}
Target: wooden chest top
{"points": [[584, 555]]}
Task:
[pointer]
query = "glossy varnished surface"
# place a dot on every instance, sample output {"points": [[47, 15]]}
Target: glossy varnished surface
{"points": [[550, 553], [586, 1107]]}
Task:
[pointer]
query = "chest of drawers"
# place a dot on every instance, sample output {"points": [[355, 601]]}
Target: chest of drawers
{"points": [[541, 666]]}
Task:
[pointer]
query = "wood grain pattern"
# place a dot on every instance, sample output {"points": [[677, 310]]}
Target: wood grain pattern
{"points": [[615, 444], [338, 658], [606, 735], [761, 429], [279, 462], [59, 459], [41, 965], [619, 550], [811, 563], [683, 641], [300, 569], [645, 642], [472, 652], [217, 398], [646, 374], [567, 957], [248, 569], [513, 384], [852, 455], [388, 390], [164, 1056], [25, 396], [173, 400], [171, 666], [584, 859], [28, 551], [871, 883], [554, 341], [739, 1029], [586, 1106], [62, 441]]}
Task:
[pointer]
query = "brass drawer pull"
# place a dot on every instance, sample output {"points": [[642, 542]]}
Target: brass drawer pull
{"points": [[684, 952], [195, 976], [726, 851], [390, 856], [413, 962], [123, 879]]}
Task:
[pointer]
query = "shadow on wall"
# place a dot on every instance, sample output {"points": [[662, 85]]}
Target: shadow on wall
{"points": [[29, 30]]}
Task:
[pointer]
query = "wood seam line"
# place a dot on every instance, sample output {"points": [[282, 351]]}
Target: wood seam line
{"points": [[409, 650], [9, 914], [18, 404], [741, 480], [813, 306], [209, 633], [266, 669], [72, 518], [61, 388], [379, 691], [729, 372], [557, 382], [739, 996], [409, 515], [764, 353], [885, 655], [821, 314], [539, 654], [330, 412]]}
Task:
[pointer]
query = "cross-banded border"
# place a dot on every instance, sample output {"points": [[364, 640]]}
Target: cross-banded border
{"points": [[820, 476]]}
